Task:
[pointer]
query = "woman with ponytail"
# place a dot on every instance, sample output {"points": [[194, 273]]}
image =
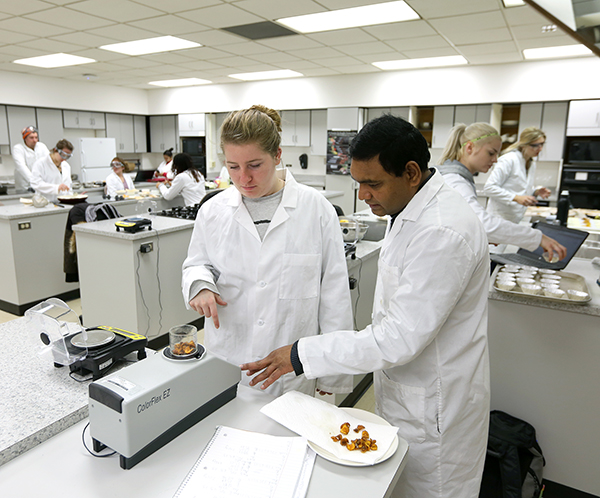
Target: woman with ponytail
{"points": [[474, 149]]}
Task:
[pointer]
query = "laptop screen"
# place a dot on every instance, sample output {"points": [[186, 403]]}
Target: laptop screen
{"points": [[568, 237], [144, 175]]}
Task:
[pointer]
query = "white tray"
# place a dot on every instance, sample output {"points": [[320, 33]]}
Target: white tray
{"points": [[568, 281]]}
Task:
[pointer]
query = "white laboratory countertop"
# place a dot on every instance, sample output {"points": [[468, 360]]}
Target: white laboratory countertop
{"points": [[160, 225]]}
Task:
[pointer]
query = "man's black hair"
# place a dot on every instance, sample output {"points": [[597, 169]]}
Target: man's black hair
{"points": [[394, 140]]}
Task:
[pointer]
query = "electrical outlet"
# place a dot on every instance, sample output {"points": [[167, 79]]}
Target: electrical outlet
{"points": [[25, 225], [148, 247], [288, 165]]}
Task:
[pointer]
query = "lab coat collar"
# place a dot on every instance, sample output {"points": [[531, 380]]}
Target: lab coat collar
{"points": [[417, 204]]}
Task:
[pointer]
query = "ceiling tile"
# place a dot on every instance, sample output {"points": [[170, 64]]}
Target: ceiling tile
{"points": [[488, 48], [206, 53], [23, 25], [482, 36], [169, 25], [316, 53], [300, 65], [21, 52], [410, 29], [51, 46], [472, 22], [21, 8], [288, 43], [431, 9], [116, 10], [339, 37], [222, 16], [174, 6], [363, 48], [534, 31], [100, 55], [344, 4], [384, 56], [61, 16], [498, 58], [84, 39], [10, 37], [247, 48], [322, 71], [202, 65], [415, 44], [364, 68], [167, 57], [340, 61], [276, 9], [430, 52], [276, 57], [122, 32], [544, 41], [526, 14], [214, 38], [236, 61]]}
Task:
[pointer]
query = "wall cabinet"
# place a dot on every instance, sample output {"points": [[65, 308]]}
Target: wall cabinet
{"points": [[19, 118], [469, 114], [139, 134], [443, 121], [120, 127], [376, 112], [4, 140], [163, 133], [318, 132], [295, 128], [584, 118], [192, 125], [50, 126], [344, 119], [84, 119], [551, 118]]}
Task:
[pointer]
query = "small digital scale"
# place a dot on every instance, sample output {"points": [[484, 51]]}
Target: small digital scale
{"points": [[105, 346], [133, 225]]}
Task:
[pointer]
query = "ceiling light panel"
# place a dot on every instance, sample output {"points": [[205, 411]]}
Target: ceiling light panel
{"points": [[452, 60], [368, 15], [556, 52], [54, 60], [513, 3], [151, 45], [180, 82], [266, 75]]}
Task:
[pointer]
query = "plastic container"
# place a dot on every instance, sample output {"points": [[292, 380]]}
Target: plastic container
{"points": [[556, 293], [531, 288], [576, 295]]}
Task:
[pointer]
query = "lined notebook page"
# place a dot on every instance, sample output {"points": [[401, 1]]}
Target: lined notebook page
{"points": [[242, 464]]}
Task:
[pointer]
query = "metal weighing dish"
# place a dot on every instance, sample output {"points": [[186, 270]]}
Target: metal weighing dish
{"points": [[568, 281]]}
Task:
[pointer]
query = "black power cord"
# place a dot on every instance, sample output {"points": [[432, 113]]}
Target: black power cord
{"points": [[90, 451]]}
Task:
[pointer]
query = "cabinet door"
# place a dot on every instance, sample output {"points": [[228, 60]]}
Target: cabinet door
{"points": [[554, 123], [126, 133], [157, 143], [401, 112], [4, 140], [170, 134], [584, 114], [483, 113], [377, 112], [139, 134], [302, 134], [530, 115], [318, 133], [19, 118], [50, 126], [465, 114], [288, 128], [343, 119], [96, 120], [443, 120], [113, 129], [70, 119]]}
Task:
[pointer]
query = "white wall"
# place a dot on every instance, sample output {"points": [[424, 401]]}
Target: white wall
{"points": [[518, 82], [40, 91]]}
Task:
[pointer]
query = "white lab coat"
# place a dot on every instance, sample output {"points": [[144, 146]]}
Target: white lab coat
{"points": [[114, 183], [293, 284], [46, 178], [24, 158], [509, 178], [498, 230], [165, 167], [192, 191], [427, 344]]}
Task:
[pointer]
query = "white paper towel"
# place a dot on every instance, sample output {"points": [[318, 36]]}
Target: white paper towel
{"points": [[318, 421]]}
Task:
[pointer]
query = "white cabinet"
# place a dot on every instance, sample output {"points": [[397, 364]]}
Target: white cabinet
{"points": [[469, 114], [376, 112], [83, 119], [530, 115], [344, 119], [4, 140], [584, 118], [120, 127], [163, 133], [554, 120], [50, 126], [295, 128], [318, 132], [192, 125], [443, 121], [139, 134], [19, 118]]}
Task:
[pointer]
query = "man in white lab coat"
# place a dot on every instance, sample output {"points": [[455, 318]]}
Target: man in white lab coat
{"points": [[428, 341], [25, 154]]}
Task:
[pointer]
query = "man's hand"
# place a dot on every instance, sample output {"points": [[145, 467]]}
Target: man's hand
{"points": [[525, 200], [63, 188], [205, 303], [551, 247], [275, 365], [543, 192]]}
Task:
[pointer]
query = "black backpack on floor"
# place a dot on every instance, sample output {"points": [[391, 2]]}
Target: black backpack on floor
{"points": [[514, 461]]}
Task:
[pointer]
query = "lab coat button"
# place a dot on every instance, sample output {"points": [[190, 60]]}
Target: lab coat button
{"points": [[261, 322], [262, 283]]}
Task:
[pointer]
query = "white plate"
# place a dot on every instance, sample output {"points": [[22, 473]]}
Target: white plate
{"points": [[367, 417]]}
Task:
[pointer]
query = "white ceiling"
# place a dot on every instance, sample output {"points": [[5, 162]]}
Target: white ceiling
{"points": [[483, 31]]}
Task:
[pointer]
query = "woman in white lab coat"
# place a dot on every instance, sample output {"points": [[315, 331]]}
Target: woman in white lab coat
{"points": [[188, 181], [117, 180], [474, 149], [510, 185], [51, 175], [165, 168], [266, 262]]}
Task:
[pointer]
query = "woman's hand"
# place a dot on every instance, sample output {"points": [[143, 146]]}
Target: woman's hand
{"points": [[542, 192], [205, 303], [525, 200], [552, 247], [63, 188]]}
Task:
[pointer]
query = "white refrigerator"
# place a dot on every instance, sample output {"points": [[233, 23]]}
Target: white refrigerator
{"points": [[95, 155]]}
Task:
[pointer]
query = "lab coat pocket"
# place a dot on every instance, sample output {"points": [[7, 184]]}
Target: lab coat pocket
{"points": [[403, 406], [300, 276], [390, 276]]}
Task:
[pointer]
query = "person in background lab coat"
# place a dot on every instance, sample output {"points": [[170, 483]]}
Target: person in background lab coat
{"points": [[165, 168], [24, 155], [266, 262], [51, 175], [427, 344], [510, 185], [117, 180], [474, 149], [188, 181]]}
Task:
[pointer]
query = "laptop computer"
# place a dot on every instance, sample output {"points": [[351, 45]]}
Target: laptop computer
{"points": [[143, 175], [568, 237]]}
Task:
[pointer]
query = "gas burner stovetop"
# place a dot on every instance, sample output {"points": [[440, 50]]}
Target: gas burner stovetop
{"points": [[181, 212]]}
